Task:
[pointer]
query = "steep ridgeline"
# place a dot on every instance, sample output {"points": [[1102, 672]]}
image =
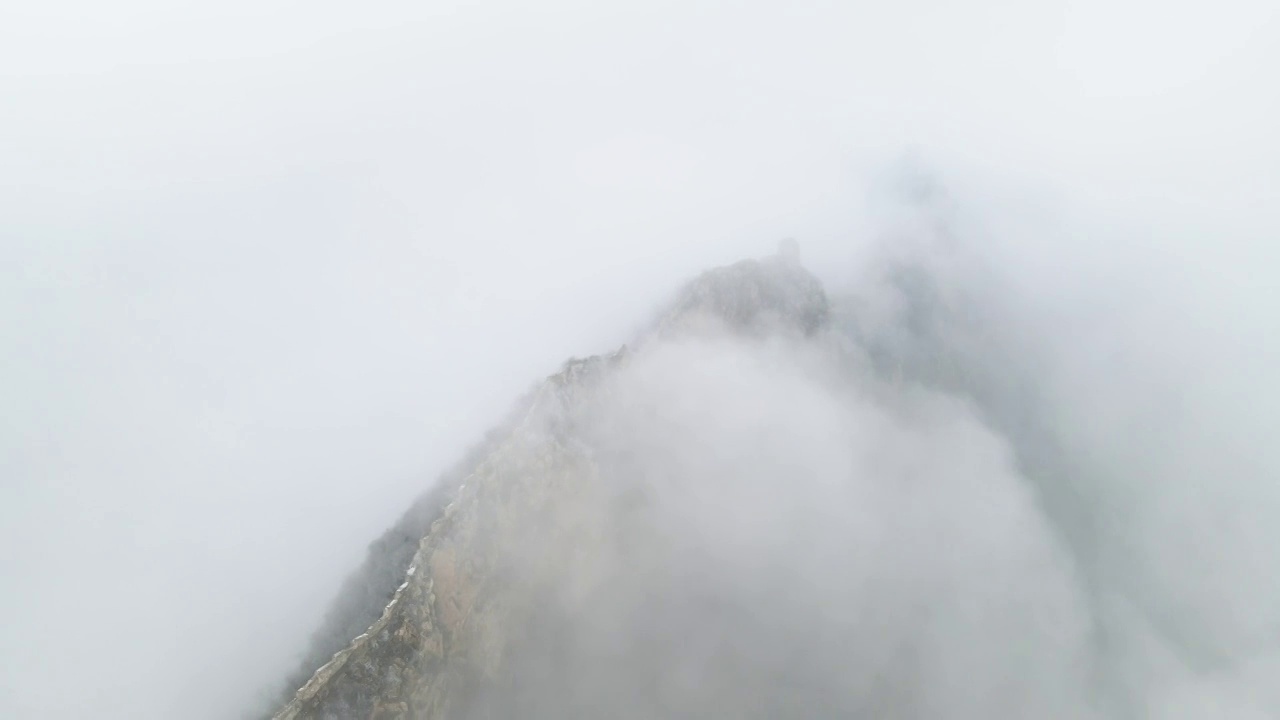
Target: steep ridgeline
{"points": [[473, 567]]}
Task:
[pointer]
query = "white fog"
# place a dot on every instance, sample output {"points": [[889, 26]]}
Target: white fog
{"points": [[267, 269]]}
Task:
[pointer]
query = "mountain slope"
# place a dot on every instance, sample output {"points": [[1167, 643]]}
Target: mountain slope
{"points": [[466, 589]]}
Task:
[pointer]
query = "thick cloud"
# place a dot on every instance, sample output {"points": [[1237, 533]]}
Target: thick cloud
{"points": [[267, 268]]}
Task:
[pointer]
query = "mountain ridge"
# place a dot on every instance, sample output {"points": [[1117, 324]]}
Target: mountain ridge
{"points": [[421, 654]]}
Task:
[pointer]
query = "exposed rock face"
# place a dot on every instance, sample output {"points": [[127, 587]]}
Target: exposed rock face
{"points": [[366, 593], [467, 590], [525, 522]]}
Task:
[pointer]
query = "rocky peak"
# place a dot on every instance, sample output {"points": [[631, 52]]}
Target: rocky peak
{"points": [[468, 586]]}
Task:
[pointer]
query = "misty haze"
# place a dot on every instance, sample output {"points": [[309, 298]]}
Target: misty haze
{"points": [[486, 360]]}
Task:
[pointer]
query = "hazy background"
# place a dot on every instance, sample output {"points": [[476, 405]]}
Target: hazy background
{"points": [[265, 268]]}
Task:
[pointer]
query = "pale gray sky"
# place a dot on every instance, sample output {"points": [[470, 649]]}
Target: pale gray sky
{"points": [[266, 267]]}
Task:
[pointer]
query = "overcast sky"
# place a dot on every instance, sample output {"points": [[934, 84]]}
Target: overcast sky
{"points": [[267, 267]]}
